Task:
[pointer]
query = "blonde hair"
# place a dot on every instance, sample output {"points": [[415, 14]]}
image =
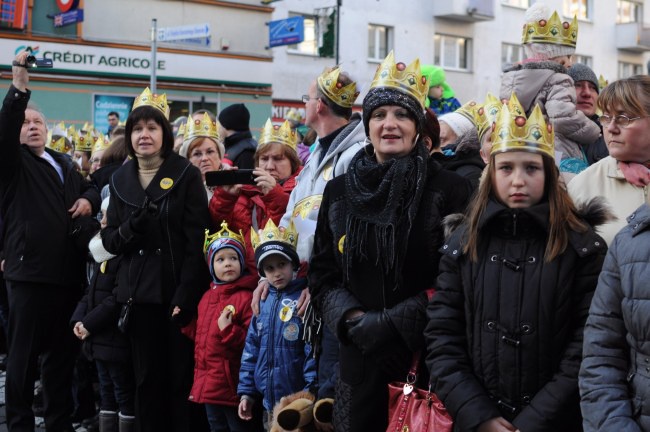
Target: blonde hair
{"points": [[631, 95]]}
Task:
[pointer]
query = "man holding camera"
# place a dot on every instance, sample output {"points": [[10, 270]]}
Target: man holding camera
{"points": [[46, 205]]}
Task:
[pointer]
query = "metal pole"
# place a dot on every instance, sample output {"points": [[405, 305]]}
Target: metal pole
{"points": [[154, 40], [338, 26]]}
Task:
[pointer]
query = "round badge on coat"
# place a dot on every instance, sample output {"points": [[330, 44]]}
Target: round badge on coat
{"points": [[230, 308], [291, 332], [166, 183]]}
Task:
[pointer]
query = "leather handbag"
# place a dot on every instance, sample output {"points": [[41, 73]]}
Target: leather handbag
{"points": [[411, 409]]}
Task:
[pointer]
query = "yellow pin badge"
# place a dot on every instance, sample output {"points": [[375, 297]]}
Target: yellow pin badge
{"points": [[230, 308], [341, 243], [166, 183]]}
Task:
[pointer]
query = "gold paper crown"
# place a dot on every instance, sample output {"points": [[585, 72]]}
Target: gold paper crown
{"points": [[407, 79], [157, 101], [514, 132], [225, 232], [328, 83], [553, 31], [472, 110], [61, 145], [86, 127], [602, 82], [82, 142], [181, 131], [100, 144], [488, 114], [279, 134], [200, 128], [271, 232]]}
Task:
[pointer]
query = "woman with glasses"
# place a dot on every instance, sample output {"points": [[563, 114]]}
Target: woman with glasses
{"points": [[623, 177]]}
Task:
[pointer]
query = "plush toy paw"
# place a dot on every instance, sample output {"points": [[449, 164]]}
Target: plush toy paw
{"points": [[293, 413]]}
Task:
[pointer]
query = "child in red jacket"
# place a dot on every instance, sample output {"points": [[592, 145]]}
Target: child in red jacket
{"points": [[219, 332]]}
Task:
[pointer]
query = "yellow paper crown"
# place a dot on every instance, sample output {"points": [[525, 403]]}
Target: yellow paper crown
{"points": [[602, 83], [407, 79], [157, 101], [181, 131], [225, 232], [200, 128], [271, 232], [83, 142], [61, 145], [100, 144], [553, 31], [86, 127], [472, 110], [329, 85], [488, 114], [514, 132], [279, 134]]}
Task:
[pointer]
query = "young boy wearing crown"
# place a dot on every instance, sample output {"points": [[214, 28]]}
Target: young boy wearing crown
{"points": [[541, 79], [276, 361], [224, 314]]}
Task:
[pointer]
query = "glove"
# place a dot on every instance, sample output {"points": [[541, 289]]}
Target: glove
{"points": [[371, 332], [141, 218]]}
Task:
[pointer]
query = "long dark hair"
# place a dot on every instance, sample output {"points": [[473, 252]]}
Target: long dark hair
{"points": [[147, 113]]}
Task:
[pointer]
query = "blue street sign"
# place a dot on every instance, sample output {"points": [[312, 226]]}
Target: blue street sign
{"points": [[70, 17], [169, 34], [287, 31]]}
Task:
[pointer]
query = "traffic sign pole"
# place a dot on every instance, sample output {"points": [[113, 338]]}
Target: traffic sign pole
{"points": [[154, 39]]}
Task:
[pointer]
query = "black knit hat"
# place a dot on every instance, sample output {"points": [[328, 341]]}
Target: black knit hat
{"points": [[581, 72], [380, 96], [273, 247], [235, 117]]}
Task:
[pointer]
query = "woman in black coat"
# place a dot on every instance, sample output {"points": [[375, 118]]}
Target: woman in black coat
{"points": [[376, 247], [156, 221]]}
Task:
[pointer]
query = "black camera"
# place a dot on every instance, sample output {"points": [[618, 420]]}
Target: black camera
{"points": [[33, 62]]}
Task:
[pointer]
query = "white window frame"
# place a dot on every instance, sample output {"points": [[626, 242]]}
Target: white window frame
{"points": [[309, 46], [512, 49], [443, 59], [575, 7], [628, 69], [524, 4], [584, 59], [375, 33], [623, 9]]}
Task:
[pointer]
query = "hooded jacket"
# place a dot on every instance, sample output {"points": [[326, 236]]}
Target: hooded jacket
{"points": [[504, 334]]}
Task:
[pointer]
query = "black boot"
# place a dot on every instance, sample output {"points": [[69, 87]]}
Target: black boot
{"points": [[127, 423], [108, 421]]}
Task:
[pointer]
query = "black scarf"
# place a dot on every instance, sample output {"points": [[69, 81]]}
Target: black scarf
{"points": [[382, 201]]}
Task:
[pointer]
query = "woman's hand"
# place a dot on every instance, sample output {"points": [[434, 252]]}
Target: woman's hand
{"points": [[264, 181], [497, 424]]}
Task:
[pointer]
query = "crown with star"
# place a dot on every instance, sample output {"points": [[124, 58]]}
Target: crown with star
{"points": [[224, 233], [158, 101], [513, 131], [551, 31], [330, 86], [82, 142], [407, 79], [204, 127], [282, 134], [271, 233]]}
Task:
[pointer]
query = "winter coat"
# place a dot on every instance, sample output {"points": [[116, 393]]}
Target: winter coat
{"points": [[598, 149], [276, 361], [99, 313], [39, 234], [240, 149], [547, 84], [466, 162], [504, 336], [163, 264], [238, 210], [604, 179], [217, 353], [306, 197], [615, 371]]}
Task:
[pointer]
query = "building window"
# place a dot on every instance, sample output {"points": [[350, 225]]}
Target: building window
{"points": [[626, 70], [452, 52], [511, 53], [579, 8], [627, 11], [585, 60], [518, 3], [309, 45], [380, 41]]}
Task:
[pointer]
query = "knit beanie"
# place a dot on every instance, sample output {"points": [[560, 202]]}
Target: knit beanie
{"points": [[543, 51], [275, 247], [581, 72], [235, 117], [460, 124], [381, 96], [436, 77], [222, 243]]}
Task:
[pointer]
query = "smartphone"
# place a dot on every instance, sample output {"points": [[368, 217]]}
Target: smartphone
{"points": [[229, 177]]}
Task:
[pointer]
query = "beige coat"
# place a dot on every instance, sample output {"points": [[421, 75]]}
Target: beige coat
{"points": [[605, 179]]}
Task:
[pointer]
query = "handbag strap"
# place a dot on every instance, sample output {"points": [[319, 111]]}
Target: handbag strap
{"points": [[412, 376]]}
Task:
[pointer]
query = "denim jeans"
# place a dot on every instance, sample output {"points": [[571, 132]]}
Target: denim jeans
{"points": [[116, 386], [225, 418]]}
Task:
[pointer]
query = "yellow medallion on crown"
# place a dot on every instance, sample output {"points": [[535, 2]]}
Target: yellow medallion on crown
{"points": [[407, 79], [279, 134], [157, 101], [551, 31], [271, 232], [201, 128], [342, 95], [225, 232], [514, 132]]}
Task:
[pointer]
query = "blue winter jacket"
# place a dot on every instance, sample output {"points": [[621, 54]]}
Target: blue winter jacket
{"points": [[276, 361]]}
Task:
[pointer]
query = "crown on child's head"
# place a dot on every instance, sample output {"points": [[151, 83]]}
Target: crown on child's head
{"points": [[181, 131], [488, 114], [514, 132], [224, 233], [342, 95], [283, 134], [61, 145], [157, 101], [100, 144], [472, 110], [204, 127], [407, 79], [82, 142], [271, 233], [551, 31]]}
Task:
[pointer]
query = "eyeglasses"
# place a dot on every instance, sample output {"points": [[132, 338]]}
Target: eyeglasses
{"points": [[306, 98], [620, 120]]}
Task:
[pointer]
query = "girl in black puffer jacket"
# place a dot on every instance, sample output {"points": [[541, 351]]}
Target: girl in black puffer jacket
{"points": [[516, 279]]}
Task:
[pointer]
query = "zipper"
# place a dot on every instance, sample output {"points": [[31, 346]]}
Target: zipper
{"points": [[274, 313], [514, 224]]}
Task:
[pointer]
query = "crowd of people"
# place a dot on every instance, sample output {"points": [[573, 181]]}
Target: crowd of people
{"points": [[222, 283]]}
